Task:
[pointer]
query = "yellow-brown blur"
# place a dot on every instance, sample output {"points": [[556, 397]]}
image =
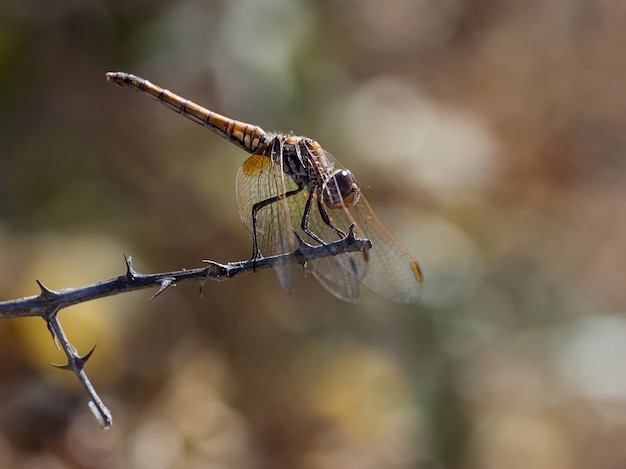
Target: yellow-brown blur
{"points": [[488, 136]]}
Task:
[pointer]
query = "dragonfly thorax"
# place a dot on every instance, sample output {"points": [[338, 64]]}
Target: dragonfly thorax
{"points": [[303, 159], [310, 167]]}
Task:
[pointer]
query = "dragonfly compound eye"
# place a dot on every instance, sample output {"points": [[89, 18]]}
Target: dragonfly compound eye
{"points": [[341, 189]]}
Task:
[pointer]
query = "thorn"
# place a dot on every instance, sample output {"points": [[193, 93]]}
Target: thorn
{"points": [[45, 291], [130, 272], [79, 362], [351, 234], [301, 242], [62, 367], [166, 282], [87, 356]]}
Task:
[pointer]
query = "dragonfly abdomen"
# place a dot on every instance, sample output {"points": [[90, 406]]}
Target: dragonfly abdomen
{"points": [[251, 138]]}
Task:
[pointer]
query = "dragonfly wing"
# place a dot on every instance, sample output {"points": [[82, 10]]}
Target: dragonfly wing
{"points": [[260, 179], [387, 269], [331, 274], [339, 274], [392, 272]]}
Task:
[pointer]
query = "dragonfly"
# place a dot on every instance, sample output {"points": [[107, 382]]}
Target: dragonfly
{"points": [[290, 188]]}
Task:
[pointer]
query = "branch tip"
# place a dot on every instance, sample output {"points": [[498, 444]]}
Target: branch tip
{"points": [[102, 414]]}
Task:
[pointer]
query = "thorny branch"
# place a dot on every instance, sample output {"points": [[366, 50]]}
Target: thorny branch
{"points": [[49, 302]]}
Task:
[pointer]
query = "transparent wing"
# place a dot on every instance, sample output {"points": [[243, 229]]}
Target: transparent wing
{"points": [[329, 271], [339, 274], [260, 179], [387, 269], [392, 272]]}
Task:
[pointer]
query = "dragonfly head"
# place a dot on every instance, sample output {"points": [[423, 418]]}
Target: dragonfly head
{"points": [[341, 189]]}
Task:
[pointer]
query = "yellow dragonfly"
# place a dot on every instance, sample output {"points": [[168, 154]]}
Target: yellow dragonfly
{"points": [[291, 184]]}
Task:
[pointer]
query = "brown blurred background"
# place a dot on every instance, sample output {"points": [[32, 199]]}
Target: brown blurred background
{"points": [[489, 135]]}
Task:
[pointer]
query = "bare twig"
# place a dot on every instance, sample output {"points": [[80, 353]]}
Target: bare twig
{"points": [[49, 302]]}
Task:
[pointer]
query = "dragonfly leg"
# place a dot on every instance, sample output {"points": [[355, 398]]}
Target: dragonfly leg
{"points": [[304, 224], [325, 218], [255, 210]]}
